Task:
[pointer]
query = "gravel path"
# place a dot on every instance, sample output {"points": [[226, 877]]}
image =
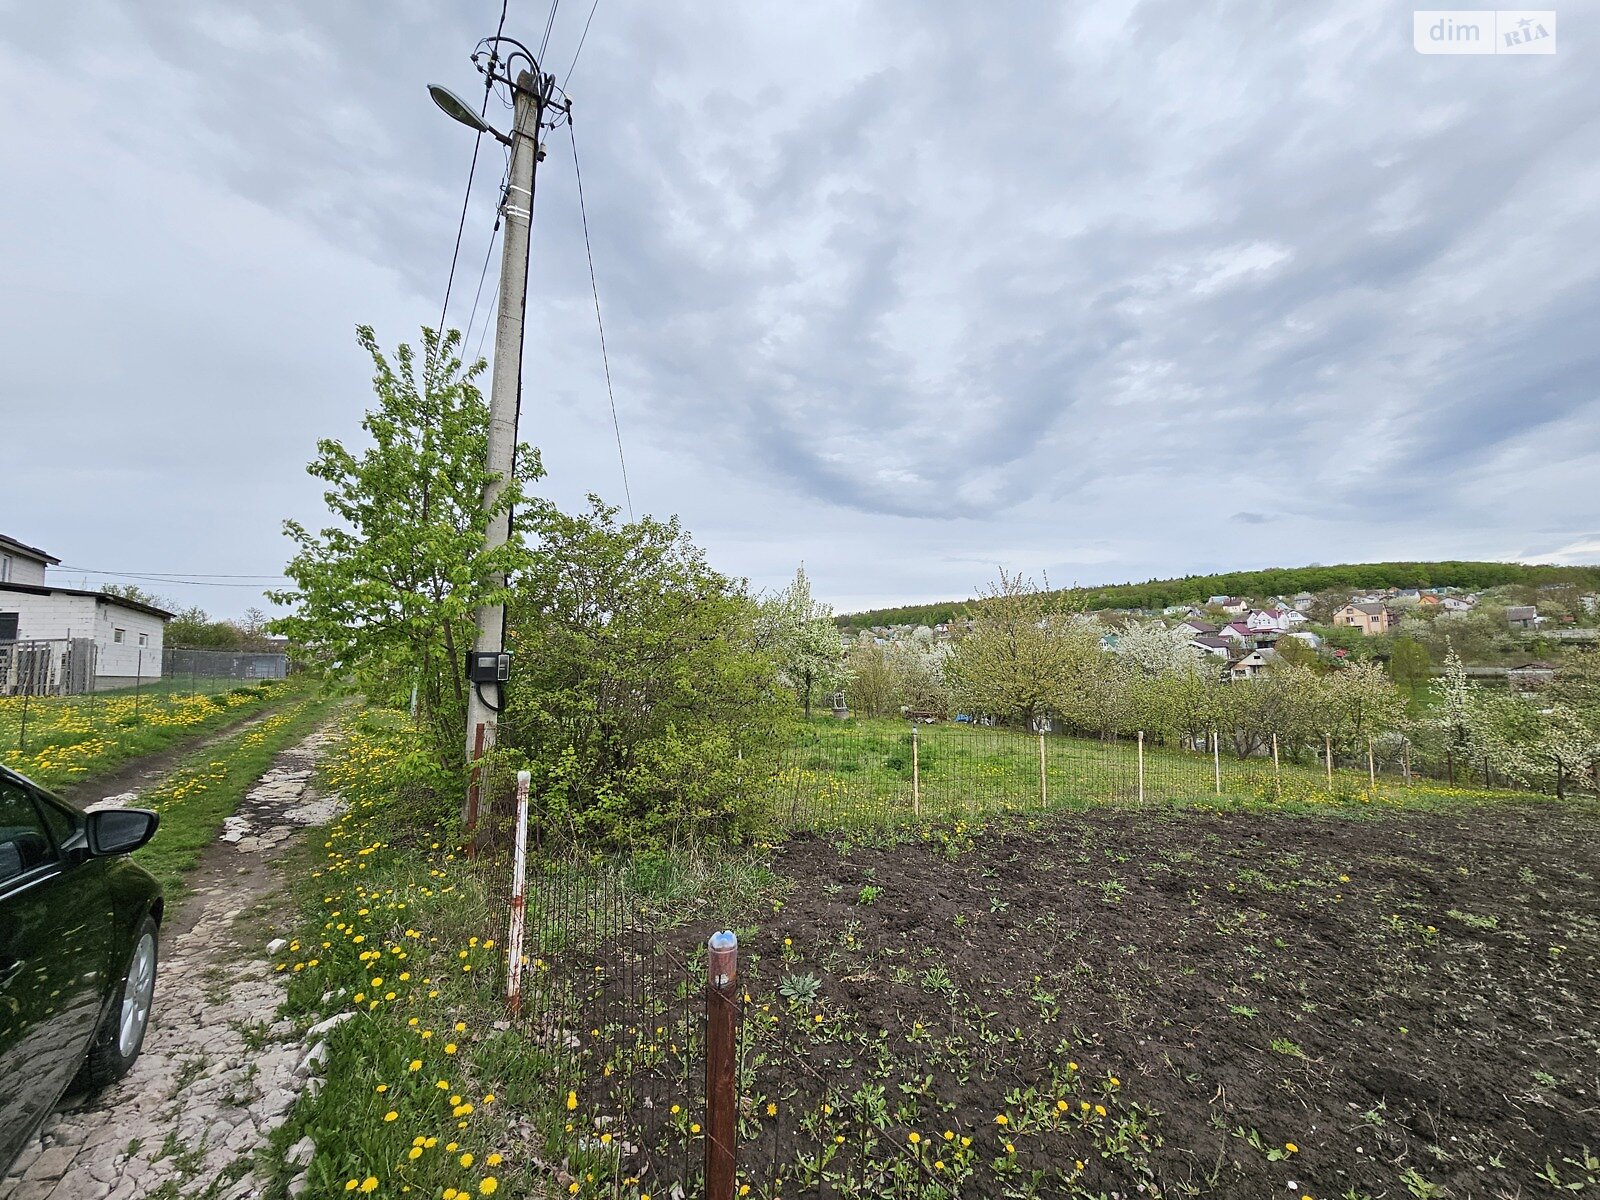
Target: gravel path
{"points": [[218, 1072]]}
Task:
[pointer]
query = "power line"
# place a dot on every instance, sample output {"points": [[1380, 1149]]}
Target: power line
{"points": [[477, 145], [544, 43], [594, 287], [174, 576], [567, 78]]}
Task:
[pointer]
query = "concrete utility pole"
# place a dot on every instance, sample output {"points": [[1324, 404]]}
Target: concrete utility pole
{"points": [[505, 395]]}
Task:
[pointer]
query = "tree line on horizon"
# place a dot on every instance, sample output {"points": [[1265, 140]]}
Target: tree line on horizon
{"points": [[1156, 594]]}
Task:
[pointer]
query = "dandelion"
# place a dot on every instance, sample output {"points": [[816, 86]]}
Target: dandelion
{"points": [[914, 1137], [1291, 1148], [1002, 1119], [489, 1186], [450, 1048], [369, 1184], [466, 1159], [494, 1160], [572, 1102], [391, 1115]]}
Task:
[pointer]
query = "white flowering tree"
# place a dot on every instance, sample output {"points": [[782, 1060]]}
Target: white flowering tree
{"points": [[798, 633]]}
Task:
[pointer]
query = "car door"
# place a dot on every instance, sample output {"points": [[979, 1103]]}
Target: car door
{"points": [[55, 935]]}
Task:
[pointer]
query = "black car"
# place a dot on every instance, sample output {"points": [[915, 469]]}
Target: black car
{"points": [[78, 942]]}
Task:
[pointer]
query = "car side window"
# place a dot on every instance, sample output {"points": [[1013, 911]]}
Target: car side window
{"points": [[25, 844]]}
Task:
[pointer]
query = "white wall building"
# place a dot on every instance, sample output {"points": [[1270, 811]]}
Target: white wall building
{"points": [[127, 635]]}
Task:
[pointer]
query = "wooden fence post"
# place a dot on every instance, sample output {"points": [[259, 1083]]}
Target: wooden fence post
{"points": [[722, 967], [1141, 766], [1044, 786], [1216, 759]]}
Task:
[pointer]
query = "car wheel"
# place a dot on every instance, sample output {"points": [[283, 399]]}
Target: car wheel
{"points": [[118, 1041]]}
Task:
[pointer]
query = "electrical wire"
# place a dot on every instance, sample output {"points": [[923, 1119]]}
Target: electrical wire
{"points": [[466, 198], [567, 78], [594, 287], [549, 24], [482, 275], [173, 576]]}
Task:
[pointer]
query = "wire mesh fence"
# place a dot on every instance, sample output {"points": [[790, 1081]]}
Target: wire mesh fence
{"points": [[614, 994]]}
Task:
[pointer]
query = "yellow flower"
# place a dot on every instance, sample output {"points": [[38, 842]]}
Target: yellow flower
{"points": [[415, 1064], [391, 1115], [489, 1186], [493, 1160], [1002, 1119], [466, 1159], [369, 1184], [1291, 1147], [913, 1137]]}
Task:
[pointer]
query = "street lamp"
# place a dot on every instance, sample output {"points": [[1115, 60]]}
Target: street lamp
{"points": [[457, 109]]}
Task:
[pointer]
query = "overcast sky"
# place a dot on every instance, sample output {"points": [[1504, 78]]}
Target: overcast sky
{"points": [[904, 290]]}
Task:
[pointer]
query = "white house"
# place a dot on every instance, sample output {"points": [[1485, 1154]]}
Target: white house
{"points": [[126, 634], [1252, 664]]}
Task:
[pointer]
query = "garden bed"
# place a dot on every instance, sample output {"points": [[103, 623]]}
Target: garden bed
{"points": [[1148, 1002]]}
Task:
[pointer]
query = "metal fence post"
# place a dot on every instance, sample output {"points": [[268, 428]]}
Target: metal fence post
{"points": [[722, 966], [474, 787], [1277, 771], [1141, 766], [1372, 766], [1216, 759], [519, 868], [1327, 757], [1044, 786], [916, 774]]}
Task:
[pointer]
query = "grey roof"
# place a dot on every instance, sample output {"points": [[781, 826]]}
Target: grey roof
{"points": [[46, 589], [11, 543]]}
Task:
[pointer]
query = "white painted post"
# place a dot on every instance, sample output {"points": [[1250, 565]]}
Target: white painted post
{"points": [[1327, 757], [1372, 768], [1044, 787], [1216, 759], [519, 868], [916, 774], [1277, 771], [1141, 766]]}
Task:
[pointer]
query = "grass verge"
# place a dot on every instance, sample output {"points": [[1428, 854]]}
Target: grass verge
{"points": [[206, 787], [63, 742], [427, 1088]]}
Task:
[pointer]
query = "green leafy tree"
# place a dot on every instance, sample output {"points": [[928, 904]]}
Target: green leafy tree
{"points": [[1410, 666], [642, 706], [1024, 658], [385, 595], [194, 629], [873, 689]]}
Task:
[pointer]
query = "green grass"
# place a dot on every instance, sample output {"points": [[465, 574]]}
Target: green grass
{"points": [[207, 786], [392, 926], [71, 740], [852, 773]]}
